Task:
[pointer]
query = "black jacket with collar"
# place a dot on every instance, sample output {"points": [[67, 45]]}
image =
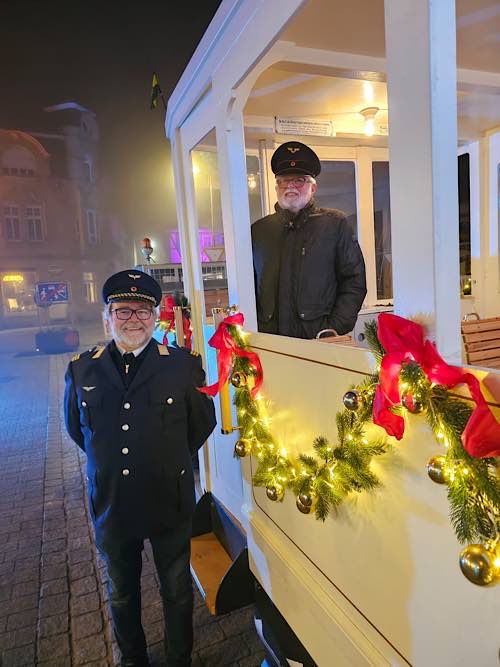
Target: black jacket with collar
{"points": [[138, 439], [309, 272]]}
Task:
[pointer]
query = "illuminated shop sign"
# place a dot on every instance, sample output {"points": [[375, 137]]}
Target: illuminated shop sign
{"points": [[12, 278]]}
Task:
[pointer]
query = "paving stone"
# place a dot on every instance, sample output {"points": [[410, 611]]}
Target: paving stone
{"points": [[54, 587], [152, 613], [236, 622], [17, 657], [53, 572], [57, 662], [54, 545], [22, 619], [25, 588], [17, 638], [201, 616], [253, 660], [53, 625], [53, 604], [228, 652], [80, 555], [87, 624], [206, 635], [53, 647], [91, 648], [85, 603], [84, 585], [81, 570], [53, 558], [154, 632]]}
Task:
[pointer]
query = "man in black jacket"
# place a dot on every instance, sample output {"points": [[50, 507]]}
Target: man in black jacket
{"points": [[309, 270], [135, 410]]}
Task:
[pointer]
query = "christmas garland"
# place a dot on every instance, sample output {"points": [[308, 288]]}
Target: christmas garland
{"points": [[321, 481]]}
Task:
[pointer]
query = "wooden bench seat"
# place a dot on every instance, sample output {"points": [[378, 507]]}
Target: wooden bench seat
{"points": [[482, 342]]}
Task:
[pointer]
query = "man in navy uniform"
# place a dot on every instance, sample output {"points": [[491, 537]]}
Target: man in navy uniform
{"points": [[134, 408], [309, 269]]}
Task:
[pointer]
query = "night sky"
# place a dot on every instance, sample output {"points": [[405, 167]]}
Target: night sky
{"points": [[102, 55]]}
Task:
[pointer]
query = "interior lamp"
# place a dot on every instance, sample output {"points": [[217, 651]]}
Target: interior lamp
{"points": [[369, 115]]}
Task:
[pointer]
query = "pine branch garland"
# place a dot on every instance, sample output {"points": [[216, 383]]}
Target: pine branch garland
{"points": [[329, 473]]}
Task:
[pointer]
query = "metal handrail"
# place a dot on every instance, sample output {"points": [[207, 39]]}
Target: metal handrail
{"points": [[330, 332]]}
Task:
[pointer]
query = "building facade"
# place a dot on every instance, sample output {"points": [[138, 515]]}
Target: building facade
{"points": [[53, 225]]}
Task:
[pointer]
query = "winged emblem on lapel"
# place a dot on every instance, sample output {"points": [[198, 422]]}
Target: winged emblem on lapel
{"points": [[88, 388]]}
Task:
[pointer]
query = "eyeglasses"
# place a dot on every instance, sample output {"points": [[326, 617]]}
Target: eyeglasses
{"points": [[298, 181], [142, 314]]}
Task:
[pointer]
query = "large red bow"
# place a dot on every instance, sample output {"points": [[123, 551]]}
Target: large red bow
{"points": [[403, 341], [167, 316], [226, 347]]}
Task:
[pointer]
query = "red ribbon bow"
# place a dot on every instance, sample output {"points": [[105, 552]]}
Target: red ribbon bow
{"points": [[226, 347], [403, 341], [167, 316]]}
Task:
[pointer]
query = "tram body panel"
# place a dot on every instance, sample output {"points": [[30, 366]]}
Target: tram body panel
{"points": [[385, 567]]}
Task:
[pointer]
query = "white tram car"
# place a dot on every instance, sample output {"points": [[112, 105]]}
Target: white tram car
{"points": [[382, 90]]}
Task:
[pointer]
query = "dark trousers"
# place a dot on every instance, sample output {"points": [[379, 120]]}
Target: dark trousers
{"points": [[171, 552]]}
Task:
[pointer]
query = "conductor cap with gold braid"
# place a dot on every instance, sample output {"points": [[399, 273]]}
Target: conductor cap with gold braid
{"points": [[131, 285]]}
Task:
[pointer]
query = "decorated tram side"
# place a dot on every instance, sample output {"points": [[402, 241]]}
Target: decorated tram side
{"points": [[352, 488]]}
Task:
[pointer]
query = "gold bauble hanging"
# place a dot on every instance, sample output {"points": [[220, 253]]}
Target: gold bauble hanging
{"points": [[242, 447], [351, 400], [411, 403], [239, 380], [436, 469], [480, 565], [275, 493], [305, 503]]}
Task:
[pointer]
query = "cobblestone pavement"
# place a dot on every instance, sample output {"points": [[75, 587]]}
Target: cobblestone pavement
{"points": [[52, 596]]}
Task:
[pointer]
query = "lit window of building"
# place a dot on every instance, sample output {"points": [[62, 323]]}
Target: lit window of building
{"points": [[92, 231], [89, 287], [11, 223], [18, 288], [34, 223]]}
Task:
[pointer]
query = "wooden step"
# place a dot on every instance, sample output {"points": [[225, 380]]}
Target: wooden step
{"points": [[219, 557], [209, 564]]}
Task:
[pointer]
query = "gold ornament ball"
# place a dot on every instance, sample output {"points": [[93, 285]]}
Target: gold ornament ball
{"points": [[305, 503], [412, 404], [477, 563], [436, 469], [351, 400], [275, 493], [242, 448], [238, 379]]}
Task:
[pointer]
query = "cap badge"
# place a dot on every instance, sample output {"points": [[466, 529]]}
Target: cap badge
{"points": [[293, 149], [134, 276], [133, 288]]}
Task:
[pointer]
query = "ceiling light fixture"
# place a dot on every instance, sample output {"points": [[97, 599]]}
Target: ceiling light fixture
{"points": [[369, 115]]}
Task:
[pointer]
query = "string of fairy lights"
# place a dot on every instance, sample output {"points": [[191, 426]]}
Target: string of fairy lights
{"points": [[323, 479]]}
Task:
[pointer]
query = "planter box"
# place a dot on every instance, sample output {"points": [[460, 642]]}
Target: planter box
{"points": [[57, 340]]}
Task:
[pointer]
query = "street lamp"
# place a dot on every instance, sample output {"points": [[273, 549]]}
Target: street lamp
{"points": [[147, 249]]}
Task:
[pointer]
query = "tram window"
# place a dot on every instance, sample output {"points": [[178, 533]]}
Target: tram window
{"points": [[209, 221], [337, 189], [254, 189], [464, 222], [382, 223]]}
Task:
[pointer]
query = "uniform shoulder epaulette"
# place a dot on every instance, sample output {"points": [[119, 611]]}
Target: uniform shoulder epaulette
{"points": [[194, 353], [95, 352]]}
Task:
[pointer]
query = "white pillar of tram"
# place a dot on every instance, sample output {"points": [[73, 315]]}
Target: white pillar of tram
{"points": [[421, 77]]}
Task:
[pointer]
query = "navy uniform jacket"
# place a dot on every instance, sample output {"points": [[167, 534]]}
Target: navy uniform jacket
{"points": [[138, 439]]}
